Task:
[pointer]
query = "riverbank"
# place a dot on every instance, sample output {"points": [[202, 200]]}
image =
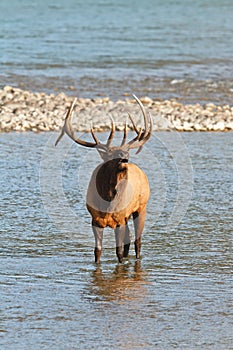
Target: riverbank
{"points": [[27, 111]]}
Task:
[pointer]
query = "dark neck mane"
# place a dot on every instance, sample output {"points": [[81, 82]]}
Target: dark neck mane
{"points": [[109, 174]]}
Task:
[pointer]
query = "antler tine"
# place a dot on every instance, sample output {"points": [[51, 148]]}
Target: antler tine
{"points": [[111, 135], [68, 114], [139, 149], [125, 134], [134, 125], [143, 112], [144, 136], [94, 136], [67, 128], [138, 131]]}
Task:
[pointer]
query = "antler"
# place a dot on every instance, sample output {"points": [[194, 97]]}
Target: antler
{"points": [[67, 129], [137, 142], [142, 136]]}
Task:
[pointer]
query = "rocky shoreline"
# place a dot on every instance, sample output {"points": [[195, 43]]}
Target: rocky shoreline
{"points": [[27, 111]]}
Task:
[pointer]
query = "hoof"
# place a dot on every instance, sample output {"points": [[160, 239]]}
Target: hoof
{"points": [[120, 259], [97, 253], [126, 250], [137, 245], [119, 254]]}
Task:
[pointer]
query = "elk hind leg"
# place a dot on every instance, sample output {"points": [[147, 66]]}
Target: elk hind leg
{"points": [[126, 241], [119, 236], [98, 233], [139, 221]]}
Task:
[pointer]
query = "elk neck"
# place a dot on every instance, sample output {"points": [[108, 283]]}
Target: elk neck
{"points": [[109, 175]]}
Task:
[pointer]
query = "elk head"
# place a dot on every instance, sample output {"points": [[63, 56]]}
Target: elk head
{"points": [[117, 189]]}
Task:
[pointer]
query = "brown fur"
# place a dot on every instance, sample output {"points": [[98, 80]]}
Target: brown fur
{"points": [[117, 189], [116, 192]]}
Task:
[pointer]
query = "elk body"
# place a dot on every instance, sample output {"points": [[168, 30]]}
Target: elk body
{"points": [[117, 189]]}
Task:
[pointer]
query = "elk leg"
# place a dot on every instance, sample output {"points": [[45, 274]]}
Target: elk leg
{"points": [[126, 242], [139, 221], [119, 236], [98, 233]]}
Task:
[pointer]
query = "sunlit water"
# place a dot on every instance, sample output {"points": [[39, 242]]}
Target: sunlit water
{"points": [[164, 49], [178, 296]]}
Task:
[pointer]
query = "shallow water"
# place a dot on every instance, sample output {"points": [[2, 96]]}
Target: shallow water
{"points": [[158, 48], [178, 296]]}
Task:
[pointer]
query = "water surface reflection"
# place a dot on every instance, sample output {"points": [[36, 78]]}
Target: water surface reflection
{"points": [[53, 296], [126, 282]]}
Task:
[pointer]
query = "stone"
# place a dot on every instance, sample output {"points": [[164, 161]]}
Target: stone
{"points": [[220, 126], [23, 110]]}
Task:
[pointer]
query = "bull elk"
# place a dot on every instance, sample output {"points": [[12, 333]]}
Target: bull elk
{"points": [[117, 189]]}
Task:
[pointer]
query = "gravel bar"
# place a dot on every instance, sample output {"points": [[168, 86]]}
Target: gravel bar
{"points": [[27, 111]]}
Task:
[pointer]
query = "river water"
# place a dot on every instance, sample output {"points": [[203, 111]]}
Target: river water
{"points": [[178, 296], [163, 49]]}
